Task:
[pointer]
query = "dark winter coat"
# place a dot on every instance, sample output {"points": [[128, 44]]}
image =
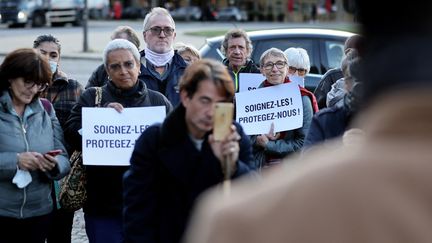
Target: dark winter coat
{"points": [[250, 67], [328, 123], [324, 86], [170, 85], [104, 183], [166, 176], [98, 78]]}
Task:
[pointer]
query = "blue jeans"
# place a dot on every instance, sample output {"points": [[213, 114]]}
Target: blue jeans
{"points": [[104, 229]]}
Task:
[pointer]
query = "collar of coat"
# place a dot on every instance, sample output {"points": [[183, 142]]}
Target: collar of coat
{"points": [[249, 67], [136, 91], [174, 129]]}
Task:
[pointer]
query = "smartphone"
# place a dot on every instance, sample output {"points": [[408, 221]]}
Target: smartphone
{"points": [[223, 117], [54, 152]]}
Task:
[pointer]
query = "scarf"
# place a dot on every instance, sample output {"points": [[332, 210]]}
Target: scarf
{"points": [[303, 92], [157, 59]]}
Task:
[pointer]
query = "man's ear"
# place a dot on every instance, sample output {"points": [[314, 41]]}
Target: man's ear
{"points": [[184, 98], [144, 36]]}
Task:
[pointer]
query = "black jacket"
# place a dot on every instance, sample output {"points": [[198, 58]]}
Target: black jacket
{"points": [[170, 85], [98, 78], [166, 176], [104, 183], [326, 124], [324, 86], [250, 67]]}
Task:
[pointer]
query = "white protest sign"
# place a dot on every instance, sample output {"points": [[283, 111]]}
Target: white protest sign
{"points": [[281, 104], [250, 81], [108, 137]]}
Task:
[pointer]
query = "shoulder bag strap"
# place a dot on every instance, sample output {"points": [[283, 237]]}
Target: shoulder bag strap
{"points": [[47, 105], [98, 97]]}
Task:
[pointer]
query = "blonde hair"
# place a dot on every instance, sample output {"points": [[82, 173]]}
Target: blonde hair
{"points": [[182, 47]]}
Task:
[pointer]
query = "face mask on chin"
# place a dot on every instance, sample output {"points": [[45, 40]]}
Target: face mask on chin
{"points": [[296, 79], [53, 66]]}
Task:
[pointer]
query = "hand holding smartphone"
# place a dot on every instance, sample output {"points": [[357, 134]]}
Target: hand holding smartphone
{"points": [[54, 152], [223, 117]]}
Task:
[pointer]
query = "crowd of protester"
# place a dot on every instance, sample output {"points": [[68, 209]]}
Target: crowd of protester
{"points": [[285, 172]]}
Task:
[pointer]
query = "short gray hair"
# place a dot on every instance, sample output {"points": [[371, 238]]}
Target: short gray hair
{"points": [[156, 11], [120, 44], [132, 36], [298, 58], [272, 52], [236, 33]]}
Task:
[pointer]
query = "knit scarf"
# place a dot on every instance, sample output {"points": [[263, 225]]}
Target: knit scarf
{"points": [[303, 92], [158, 59]]}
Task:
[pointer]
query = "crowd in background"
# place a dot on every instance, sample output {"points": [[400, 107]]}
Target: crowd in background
{"points": [[175, 161]]}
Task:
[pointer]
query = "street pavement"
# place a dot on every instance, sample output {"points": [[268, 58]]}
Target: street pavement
{"points": [[72, 41]]}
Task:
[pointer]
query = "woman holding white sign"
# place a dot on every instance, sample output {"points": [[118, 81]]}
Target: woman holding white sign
{"points": [[270, 148], [103, 208]]}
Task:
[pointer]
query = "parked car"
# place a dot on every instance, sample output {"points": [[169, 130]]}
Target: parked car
{"points": [[186, 13], [19, 13], [132, 12], [322, 45], [231, 14], [98, 9]]}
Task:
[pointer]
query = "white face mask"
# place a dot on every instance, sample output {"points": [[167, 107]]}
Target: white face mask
{"points": [[53, 66], [296, 79]]}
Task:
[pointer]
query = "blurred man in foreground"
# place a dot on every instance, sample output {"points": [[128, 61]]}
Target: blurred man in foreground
{"points": [[374, 190]]}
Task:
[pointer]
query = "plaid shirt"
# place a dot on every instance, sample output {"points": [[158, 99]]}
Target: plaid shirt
{"points": [[63, 94]]}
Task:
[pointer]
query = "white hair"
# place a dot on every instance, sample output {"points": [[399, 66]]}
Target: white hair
{"points": [[156, 11], [120, 44], [298, 58], [273, 52]]}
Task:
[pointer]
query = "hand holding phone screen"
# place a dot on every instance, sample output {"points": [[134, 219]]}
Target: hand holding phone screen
{"points": [[54, 152], [223, 117]]}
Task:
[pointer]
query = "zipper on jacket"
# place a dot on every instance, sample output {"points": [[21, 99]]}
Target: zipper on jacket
{"points": [[27, 148], [22, 206]]}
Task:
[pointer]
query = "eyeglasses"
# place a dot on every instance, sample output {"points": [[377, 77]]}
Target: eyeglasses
{"points": [[157, 31], [279, 65], [300, 71], [118, 66], [30, 84]]}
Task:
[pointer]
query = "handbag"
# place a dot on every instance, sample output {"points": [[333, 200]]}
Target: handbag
{"points": [[73, 192]]}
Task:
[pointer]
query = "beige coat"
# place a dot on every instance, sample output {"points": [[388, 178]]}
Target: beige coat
{"points": [[376, 190]]}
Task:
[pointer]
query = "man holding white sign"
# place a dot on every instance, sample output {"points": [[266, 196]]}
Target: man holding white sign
{"points": [[279, 117], [103, 208]]}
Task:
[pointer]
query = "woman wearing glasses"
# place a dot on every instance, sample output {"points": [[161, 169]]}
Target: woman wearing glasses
{"points": [[63, 94], [103, 208], [270, 148], [299, 64], [29, 129]]}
